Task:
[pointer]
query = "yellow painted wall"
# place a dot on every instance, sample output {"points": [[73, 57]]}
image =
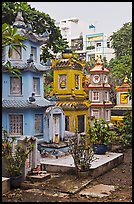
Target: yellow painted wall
{"points": [[63, 93], [74, 120]]}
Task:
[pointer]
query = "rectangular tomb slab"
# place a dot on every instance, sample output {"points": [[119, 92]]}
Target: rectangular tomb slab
{"points": [[39, 177], [5, 185], [100, 164]]}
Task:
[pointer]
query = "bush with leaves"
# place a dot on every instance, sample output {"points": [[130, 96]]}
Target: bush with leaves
{"points": [[81, 152], [15, 158], [40, 22], [124, 130], [101, 132]]}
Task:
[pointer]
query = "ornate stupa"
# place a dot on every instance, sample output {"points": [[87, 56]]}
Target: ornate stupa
{"points": [[99, 92], [70, 93]]}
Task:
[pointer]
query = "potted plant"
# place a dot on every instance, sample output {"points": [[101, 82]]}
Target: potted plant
{"points": [[14, 158], [82, 154], [101, 135]]}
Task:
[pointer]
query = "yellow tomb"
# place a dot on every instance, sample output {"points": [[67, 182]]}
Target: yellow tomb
{"points": [[72, 98]]}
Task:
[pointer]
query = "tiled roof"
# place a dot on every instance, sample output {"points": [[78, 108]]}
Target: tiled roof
{"points": [[72, 105], [28, 66], [67, 63], [12, 103]]}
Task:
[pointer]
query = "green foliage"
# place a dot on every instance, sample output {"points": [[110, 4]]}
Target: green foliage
{"points": [[15, 159], [48, 78], [11, 38], [81, 152], [39, 22], [124, 130], [121, 67], [100, 132], [121, 41], [91, 47]]}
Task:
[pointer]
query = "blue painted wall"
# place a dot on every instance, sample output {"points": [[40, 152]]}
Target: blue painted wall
{"points": [[27, 90]]}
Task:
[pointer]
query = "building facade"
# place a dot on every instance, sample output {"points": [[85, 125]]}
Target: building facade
{"points": [[70, 93], [84, 39], [23, 103], [123, 102], [98, 45], [99, 92]]}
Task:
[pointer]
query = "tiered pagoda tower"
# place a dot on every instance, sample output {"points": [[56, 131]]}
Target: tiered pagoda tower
{"points": [[71, 96], [99, 92], [123, 102]]}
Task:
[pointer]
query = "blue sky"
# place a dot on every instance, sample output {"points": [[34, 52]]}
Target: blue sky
{"points": [[108, 17]]}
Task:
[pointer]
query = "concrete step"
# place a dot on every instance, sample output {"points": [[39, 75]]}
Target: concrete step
{"points": [[5, 185]]}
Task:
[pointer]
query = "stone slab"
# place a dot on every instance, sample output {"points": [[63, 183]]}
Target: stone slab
{"points": [[99, 190], [99, 165], [60, 183], [5, 185], [39, 177]]}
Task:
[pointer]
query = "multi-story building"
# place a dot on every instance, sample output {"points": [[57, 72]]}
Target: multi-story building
{"points": [[25, 111], [99, 92], [84, 40], [98, 45], [74, 31]]}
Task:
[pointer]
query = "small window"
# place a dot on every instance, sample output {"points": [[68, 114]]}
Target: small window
{"points": [[62, 81], [34, 52], [36, 85], [38, 123], [67, 119], [106, 96], [95, 96], [77, 81], [16, 124], [98, 44], [15, 85], [107, 115], [81, 123], [16, 53], [95, 113]]}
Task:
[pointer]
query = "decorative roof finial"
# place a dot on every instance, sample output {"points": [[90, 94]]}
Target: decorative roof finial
{"points": [[19, 21], [99, 61]]}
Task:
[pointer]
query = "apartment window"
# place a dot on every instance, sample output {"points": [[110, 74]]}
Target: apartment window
{"points": [[95, 113], [36, 85], [98, 44], [67, 125], [38, 123], [107, 115], [15, 85], [16, 124], [95, 96], [34, 52], [17, 53]]}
